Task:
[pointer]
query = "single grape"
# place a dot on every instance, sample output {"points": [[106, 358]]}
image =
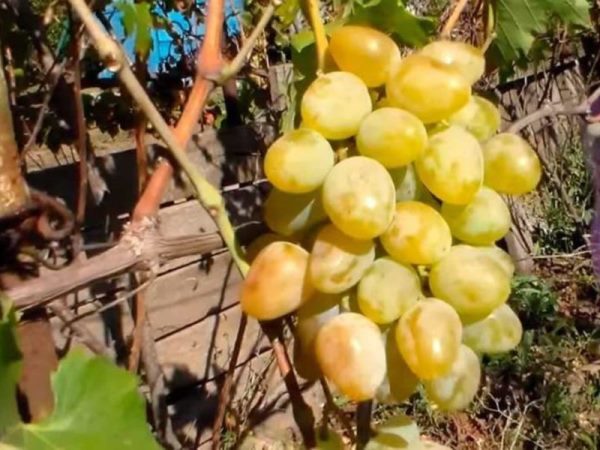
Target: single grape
{"points": [[472, 282], [501, 257], [328, 440], [500, 332], [483, 221], [452, 166], [359, 197], [351, 355], [430, 445], [299, 161], [337, 261], [392, 136], [428, 336], [480, 117], [289, 214], [399, 383], [418, 234], [334, 105], [409, 187], [397, 432], [277, 282], [387, 289], [366, 52], [511, 165], [261, 242], [463, 57], [427, 88], [455, 390]]}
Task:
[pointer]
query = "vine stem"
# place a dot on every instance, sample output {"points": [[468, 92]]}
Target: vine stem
{"points": [[449, 25], [316, 22]]}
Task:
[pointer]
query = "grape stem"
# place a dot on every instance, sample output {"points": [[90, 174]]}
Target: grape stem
{"points": [[313, 15], [449, 26]]}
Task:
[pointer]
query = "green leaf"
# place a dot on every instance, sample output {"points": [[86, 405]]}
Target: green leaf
{"points": [[287, 11], [10, 366], [520, 22], [391, 16], [97, 407], [137, 20], [129, 20]]}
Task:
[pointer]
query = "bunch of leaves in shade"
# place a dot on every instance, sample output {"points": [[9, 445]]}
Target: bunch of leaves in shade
{"points": [[97, 405]]}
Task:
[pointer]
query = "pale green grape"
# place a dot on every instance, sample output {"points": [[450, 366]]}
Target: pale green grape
{"points": [[472, 282], [456, 389], [289, 214], [463, 57], [483, 221], [392, 136], [399, 383], [334, 105], [337, 261], [417, 235], [277, 282], [427, 88], [452, 166], [428, 336], [328, 440], [397, 432], [430, 445], [511, 165], [387, 289], [499, 332], [480, 117], [366, 52], [409, 187], [501, 257], [299, 161], [261, 242], [359, 197], [351, 355]]}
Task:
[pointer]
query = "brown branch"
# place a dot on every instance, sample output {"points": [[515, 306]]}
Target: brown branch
{"points": [[450, 24], [548, 111], [363, 423]]}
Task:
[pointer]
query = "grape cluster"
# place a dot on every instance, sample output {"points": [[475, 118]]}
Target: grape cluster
{"points": [[386, 251]]}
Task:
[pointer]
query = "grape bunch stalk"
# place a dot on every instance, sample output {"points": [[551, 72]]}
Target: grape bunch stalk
{"points": [[386, 252]]}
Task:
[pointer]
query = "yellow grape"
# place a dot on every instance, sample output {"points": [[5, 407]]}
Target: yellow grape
{"points": [[359, 197], [409, 187], [429, 89], [277, 282], [456, 389], [335, 104], [499, 332], [501, 257], [418, 234], [463, 57], [351, 355], [397, 432], [399, 383], [299, 161], [366, 52], [472, 282], [511, 165], [254, 248], [387, 289], [480, 117], [337, 261], [288, 214], [452, 166], [392, 136], [428, 336], [483, 221]]}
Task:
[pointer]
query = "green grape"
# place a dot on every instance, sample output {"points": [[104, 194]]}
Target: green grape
{"points": [[463, 57], [335, 104], [392, 136], [455, 390], [299, 161], [387, 289], [289, 214], [430, 445], [511, 165], [428, 336], [399, 383], [418, 234], [427, 88], [409, 187], [337, 261], [452, 166], [472, 282], [480, 117], [366, 52], [501, 257], [397, 432], [328, 440], [359, 197], [276, 283], [351, 355], [483, 221], [500, 332]]}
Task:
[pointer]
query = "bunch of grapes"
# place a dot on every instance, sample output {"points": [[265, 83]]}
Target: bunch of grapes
{"points": [[387, 250]]}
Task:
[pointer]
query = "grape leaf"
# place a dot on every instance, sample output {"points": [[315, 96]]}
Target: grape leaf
{"points": [[137, 21], [519, 22], [287, 11], [10, 366]]}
